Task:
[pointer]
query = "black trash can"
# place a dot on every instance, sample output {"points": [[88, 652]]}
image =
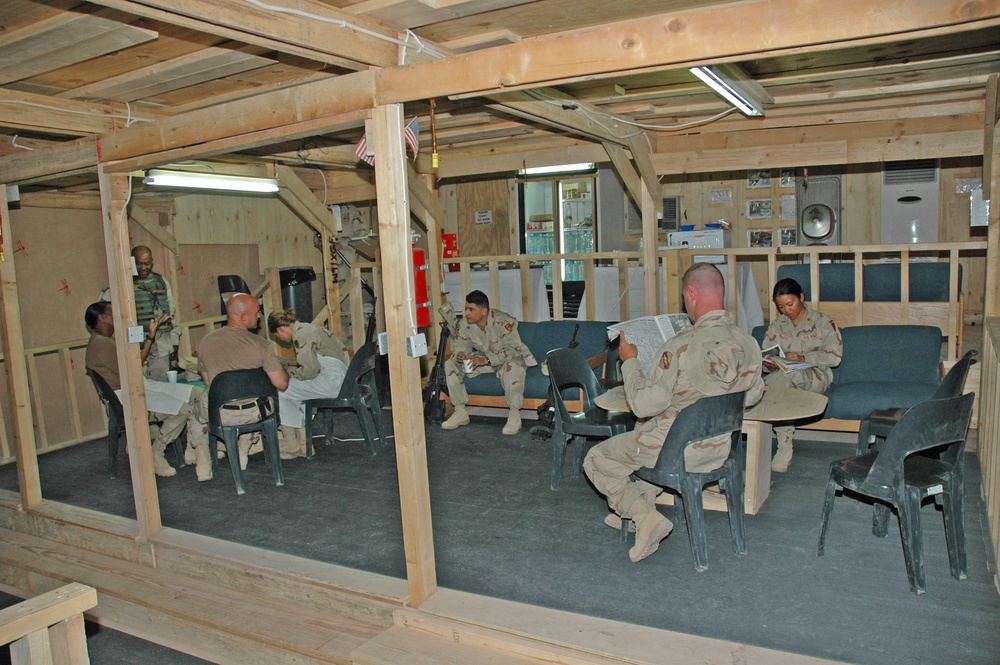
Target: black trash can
{"points": [[296, 290]]}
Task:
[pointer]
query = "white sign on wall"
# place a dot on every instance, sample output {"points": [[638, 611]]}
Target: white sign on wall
{"points": [[484, 217]]}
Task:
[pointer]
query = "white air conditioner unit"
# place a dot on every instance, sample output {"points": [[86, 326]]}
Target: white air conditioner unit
{"points": [[911, 193]]}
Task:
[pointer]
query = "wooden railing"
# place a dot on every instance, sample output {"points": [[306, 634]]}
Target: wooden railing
{"points": [[64, 379], [989, 435], [764, 260], [49, 628]]}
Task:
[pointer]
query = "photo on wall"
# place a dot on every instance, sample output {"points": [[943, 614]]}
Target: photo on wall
{"points": [[760, 238], [759, 209], [789, 237], [758, 179]]}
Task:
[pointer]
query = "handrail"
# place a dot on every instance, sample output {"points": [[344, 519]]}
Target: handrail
{"points": [[49, 628]]}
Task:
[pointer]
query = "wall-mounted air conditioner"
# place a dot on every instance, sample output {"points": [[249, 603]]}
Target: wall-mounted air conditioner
{"points": [[910, 198]]}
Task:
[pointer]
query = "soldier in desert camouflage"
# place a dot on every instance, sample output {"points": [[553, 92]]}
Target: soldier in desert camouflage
{"points": [[804, 335], [486, 341], [712, 357]]}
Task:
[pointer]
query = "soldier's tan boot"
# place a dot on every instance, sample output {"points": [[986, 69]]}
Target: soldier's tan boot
{"points": [[203, 462], [650, 528], [513, 425], [457, 419], [783, 456], [291, 442], [160, 465]]}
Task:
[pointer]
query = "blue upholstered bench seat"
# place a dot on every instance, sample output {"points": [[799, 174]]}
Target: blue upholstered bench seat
{"points": [[541, 338], [883, 367]]}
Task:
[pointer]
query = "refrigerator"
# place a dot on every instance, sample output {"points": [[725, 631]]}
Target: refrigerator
{"points": [[560, 216]]}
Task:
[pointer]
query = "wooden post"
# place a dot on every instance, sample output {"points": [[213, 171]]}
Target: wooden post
{"points": [[404, 372], [17, 369], [334, 321], [649, 240], [115, 193]]}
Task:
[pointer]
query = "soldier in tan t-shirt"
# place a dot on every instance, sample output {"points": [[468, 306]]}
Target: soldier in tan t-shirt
{"points": [[230, 348]]}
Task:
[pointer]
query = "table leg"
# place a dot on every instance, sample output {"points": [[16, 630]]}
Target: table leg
{"points": [[758, 473]]}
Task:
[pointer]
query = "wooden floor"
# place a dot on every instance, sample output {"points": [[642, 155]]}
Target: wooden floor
{"points": [[233, 604]]}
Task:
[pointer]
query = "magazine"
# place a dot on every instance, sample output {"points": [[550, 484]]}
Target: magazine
{"points": [[649, 333], [774, 356]]}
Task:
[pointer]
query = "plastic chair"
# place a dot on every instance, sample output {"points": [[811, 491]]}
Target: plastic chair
{"points": [[878, 423], [706, 418], [895, 476], [229, 284], [568, 369], [359, 393], [234, 386], [116, 419], [116, 424]]}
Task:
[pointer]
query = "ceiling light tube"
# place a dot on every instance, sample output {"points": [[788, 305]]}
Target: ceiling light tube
{"points": [[738, 89], [228, 183]]}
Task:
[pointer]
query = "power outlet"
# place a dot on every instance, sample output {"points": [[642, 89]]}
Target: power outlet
{"points": [[383, 343], [416, 345], [136, 335]]}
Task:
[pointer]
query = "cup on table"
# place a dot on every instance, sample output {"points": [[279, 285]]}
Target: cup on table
{"points": [[172, 376], [469, 368]]}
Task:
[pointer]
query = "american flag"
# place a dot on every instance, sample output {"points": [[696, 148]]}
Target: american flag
{"points": [[411, 134], [361, 150]]}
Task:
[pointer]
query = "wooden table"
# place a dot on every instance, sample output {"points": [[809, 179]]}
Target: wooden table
{"points": [[777, 405]]}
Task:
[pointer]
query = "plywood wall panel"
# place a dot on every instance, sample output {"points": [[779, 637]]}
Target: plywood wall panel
{"points": [[483, 196]]}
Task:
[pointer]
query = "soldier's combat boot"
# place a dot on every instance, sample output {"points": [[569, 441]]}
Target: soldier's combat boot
{"points": [[457, 419], [513, 425], [160, 465]]}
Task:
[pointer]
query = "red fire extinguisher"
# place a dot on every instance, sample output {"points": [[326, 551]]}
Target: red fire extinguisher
{"points": [[423, 303]]}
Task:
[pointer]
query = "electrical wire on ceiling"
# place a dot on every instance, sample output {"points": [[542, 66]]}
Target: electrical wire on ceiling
{"points": [[420, 46], [95, 114]]}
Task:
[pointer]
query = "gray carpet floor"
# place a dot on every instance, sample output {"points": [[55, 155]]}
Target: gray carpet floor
{"points": [[500, 531]]}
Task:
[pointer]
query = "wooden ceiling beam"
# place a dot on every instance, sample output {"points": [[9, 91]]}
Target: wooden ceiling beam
{"points": [[303, 202], [67, 158], [191, 69], [318, 39], [69, 118], [65, 39], [675, 40]]}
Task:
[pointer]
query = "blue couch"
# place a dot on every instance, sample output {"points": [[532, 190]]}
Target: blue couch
{"points": [[541, 338], [883, 367]]}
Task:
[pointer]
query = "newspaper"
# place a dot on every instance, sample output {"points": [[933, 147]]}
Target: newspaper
{"points": [[774, 358], [649, 333]]}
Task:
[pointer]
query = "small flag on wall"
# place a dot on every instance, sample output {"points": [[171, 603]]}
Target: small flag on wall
{"points": [[411, 134]]}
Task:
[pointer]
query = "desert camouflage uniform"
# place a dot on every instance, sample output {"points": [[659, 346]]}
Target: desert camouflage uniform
{"points": [[713, 357], [499, 342], [818, 340]]}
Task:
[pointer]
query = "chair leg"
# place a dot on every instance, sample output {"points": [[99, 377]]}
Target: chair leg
{"points": [[954, 528], [114, 436], [269, 435], [578, 446], [831, 494], [367, 427], [880, 519], [558, 455], [913, 539], [310, 414], [737, 518], [376, 415], [864, 438], [694, 514], [233, 453]]}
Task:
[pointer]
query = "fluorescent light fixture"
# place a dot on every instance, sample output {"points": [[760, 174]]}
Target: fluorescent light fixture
{"points": [[736, 87], [229, 183], [559, 168]]}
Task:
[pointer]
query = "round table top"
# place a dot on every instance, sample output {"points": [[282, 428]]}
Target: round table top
{"points": [[777, 405]]}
